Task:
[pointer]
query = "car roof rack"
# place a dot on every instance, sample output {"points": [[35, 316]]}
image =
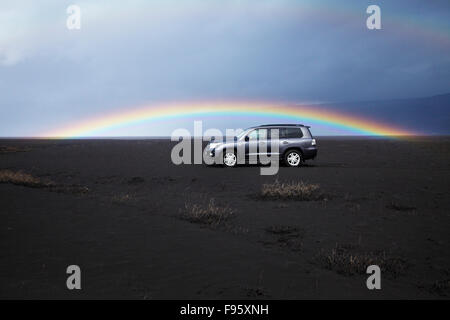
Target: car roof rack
{"points": [[282, 125]]}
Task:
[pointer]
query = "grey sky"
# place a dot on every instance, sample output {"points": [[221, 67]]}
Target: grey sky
{"points": [[133, 52]]}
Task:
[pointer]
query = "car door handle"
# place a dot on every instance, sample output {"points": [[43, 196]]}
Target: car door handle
{"points": [[284, 142]]}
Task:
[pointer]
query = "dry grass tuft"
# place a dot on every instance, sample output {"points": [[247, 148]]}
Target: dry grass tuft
{"points": [[291, 190], [209, 214], [12, 149], [27, 180], [22, 179], [347, 262]]}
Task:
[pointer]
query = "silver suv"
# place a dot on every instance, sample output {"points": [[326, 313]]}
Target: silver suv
{"points": [[291, 143]]}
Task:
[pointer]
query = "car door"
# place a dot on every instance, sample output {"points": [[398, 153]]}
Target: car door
{"points": [[256, 144], [273, 142], [251, 146], [290, 137], [263, 139]]}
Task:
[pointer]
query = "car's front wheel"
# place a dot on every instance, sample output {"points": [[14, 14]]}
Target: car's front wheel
{"points": [[293, 158], [229, 159]]}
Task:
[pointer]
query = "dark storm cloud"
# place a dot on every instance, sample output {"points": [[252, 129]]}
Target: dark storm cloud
{"points": [[276, 50]]}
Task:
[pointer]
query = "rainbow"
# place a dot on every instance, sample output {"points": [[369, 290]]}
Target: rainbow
{"points": [[165, 112]]}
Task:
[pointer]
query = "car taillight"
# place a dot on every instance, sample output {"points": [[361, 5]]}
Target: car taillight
{"points": [[313, 142]]}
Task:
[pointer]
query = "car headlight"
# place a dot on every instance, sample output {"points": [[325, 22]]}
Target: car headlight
{"points": [[313, 142]]}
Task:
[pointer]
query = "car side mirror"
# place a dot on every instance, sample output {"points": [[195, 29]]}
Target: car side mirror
{"points": [[246, 138]]}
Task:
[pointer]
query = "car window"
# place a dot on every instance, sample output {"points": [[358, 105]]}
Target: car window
{"points": [[253, 135], [289, 133], [262, 134], [258, 133]]}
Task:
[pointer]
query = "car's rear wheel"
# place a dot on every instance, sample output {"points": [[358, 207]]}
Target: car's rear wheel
{"points": [[229, 159], [293, 158]]}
